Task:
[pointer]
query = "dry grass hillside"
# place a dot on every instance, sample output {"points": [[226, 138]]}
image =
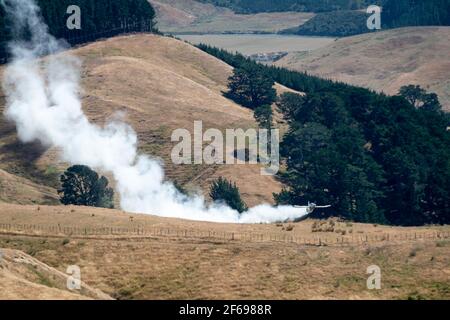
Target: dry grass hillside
{"points": [[24, 277], [177, 259], [158, 84], [20, 190], [190, 16], [384, 61]]}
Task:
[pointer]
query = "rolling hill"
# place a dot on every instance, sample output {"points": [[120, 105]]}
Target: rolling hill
{"points": [[191, 16], [384, 61], [160, 84]]}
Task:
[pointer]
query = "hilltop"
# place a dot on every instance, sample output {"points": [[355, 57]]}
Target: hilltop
{"points": [[384, 61]]}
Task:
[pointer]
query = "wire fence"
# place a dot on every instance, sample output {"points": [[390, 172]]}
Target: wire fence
{"points": [[112, 232]]}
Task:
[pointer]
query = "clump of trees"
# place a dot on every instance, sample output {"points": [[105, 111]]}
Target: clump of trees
{"points": [[251, 87], [420, 98], [82, 186], [227, 192], [375, 158]]}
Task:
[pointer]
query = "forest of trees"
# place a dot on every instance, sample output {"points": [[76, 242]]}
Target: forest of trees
{"points": [[396, 13], [99, 19], [374, 158], [401, 13]]}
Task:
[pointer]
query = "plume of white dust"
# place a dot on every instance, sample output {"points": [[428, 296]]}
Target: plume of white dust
{"points": [[43, 101]]}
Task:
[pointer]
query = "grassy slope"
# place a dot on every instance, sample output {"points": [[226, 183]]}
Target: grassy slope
{"points": [[161, 84], [20, 190], [190, 16], [159, 267], [384, 61], [24, 277]]}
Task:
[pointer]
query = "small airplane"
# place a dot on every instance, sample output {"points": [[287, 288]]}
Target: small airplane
{"points": [[311, 207]]}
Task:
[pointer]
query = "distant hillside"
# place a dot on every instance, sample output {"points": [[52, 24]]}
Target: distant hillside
{"points": [[191, 16], [255, 6], [337, 24], [384, 61], [395, 13]]}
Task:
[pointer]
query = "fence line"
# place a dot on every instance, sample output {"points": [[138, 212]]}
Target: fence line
{"points": [[141, 231]]}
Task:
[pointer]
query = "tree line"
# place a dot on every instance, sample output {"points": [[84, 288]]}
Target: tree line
{"points": [[374, 158], [99, 19]]}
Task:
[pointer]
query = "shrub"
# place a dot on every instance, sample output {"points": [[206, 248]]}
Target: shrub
{"points": [[290, 227], [323, 226], [227, 192]]}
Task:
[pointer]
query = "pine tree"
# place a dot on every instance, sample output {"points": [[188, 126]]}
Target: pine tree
{"points": [[251, 87], [227, 192]]}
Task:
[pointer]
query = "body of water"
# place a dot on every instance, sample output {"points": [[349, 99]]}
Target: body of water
{"points": [[249, 44]]}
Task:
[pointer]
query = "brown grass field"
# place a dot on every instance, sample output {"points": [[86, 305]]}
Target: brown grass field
{"points": [[384, 61], [177, 259]]}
